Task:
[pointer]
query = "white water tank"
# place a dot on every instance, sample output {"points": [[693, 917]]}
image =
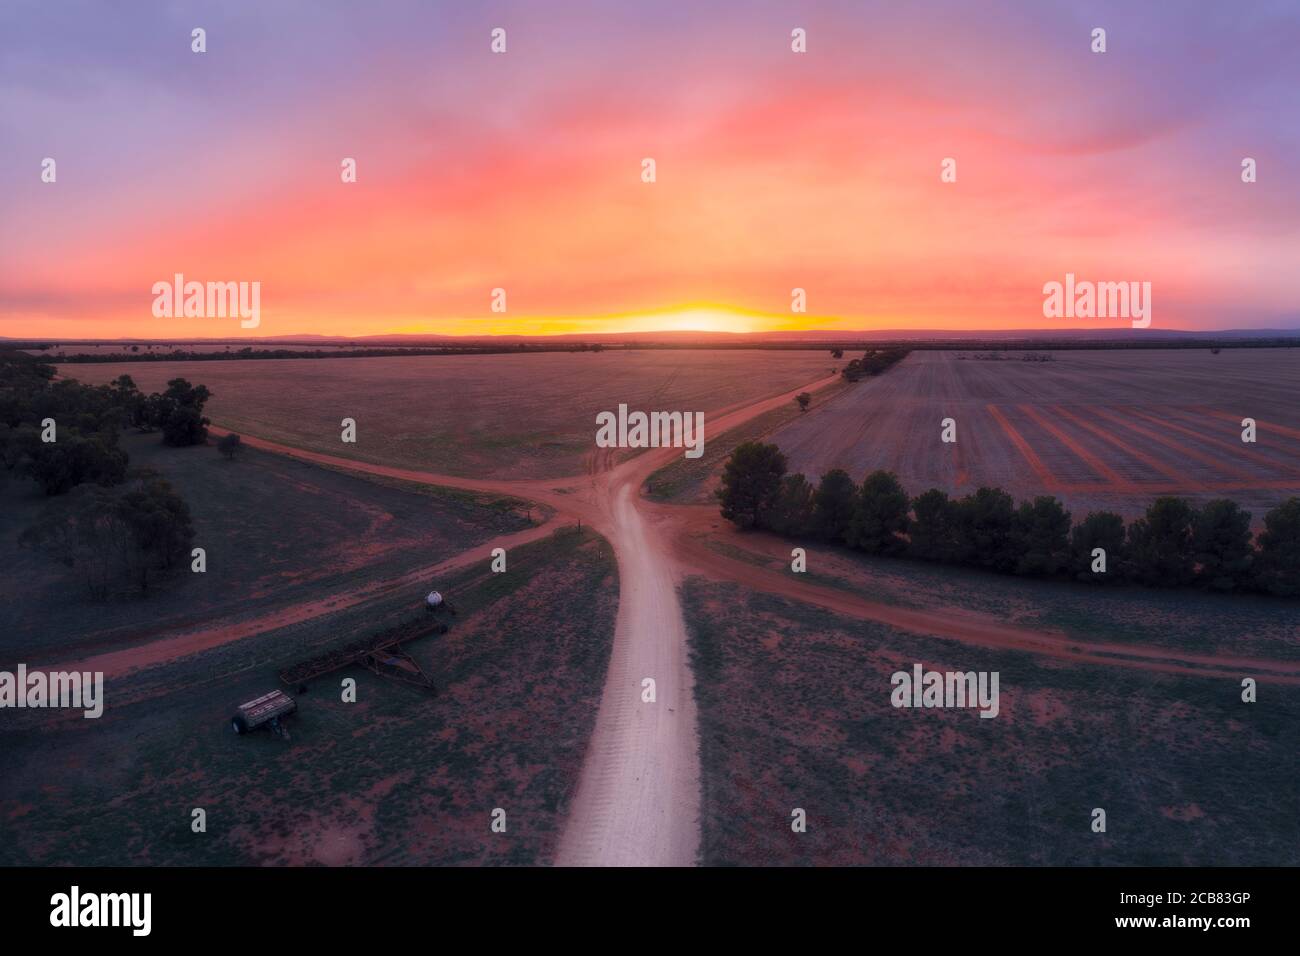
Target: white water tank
{"points": [[434, 599]]}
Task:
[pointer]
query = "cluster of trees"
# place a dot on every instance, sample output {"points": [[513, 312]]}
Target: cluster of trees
{"points": [[64, 434], [177, 412], [1173, 545], [873, 362], [116, 539], [114, 528]]}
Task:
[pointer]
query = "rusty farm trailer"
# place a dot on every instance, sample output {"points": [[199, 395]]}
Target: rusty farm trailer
{"points": [[264, 711]]}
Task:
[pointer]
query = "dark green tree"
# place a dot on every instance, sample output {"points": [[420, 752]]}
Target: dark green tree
{"points": [[751, 481], [1160, 544], [1105, 530], [880, 518], [1278, 563], [833, 506], [1221, 546], [1042, 537]]}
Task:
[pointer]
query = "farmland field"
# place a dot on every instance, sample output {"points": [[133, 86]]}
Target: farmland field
{"points": [[493, 416], [277, 533], [398, 777], [795, 711], [1098, 429]]}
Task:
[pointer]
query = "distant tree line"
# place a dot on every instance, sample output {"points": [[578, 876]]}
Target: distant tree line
{"points": [[184, 355], [134, 353], [1173, 545], [873, 362]]}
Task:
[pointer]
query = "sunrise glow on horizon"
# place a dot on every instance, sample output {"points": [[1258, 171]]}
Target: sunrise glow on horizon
{"points": [[522, 171]]}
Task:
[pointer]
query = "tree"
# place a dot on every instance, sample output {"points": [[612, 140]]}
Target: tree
{"points": [[1160, 542], [83, 533], [934, 531], [985, 530], [75, 458], [792, 512], [229, 445], [184, 426], [837, 353], [1101, 529], [1221, 545], [1042, 537], [880, 519], [804, 399], [751, 481], [833, 505], [159, 524], [1278, 564], [115, 539], [180, 413]]}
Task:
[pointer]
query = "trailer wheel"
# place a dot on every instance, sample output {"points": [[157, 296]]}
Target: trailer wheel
{"points": [[240, 725]]}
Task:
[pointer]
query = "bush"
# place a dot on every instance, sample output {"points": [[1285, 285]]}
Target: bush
{"points": [[229, 446], [880, 517]]}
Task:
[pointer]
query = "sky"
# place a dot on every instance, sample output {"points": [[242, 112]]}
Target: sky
{"points": [[523, 170]]}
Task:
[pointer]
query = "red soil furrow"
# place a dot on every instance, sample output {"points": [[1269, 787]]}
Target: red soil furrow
{"points": [[1181, 447], [1260, 426], [1238, 450], [1045, 477], [1137, 454], [977, 629], [1190, 487], [1112, 477]]}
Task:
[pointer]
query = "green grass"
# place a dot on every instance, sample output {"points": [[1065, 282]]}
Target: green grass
{"points": [[688, 480], [808, 723], [411, 779]]}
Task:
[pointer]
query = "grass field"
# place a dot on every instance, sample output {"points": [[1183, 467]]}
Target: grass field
{"points": [[396, 778], [494, 416], [795, 711], [275, 531], [1098, 429]]}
